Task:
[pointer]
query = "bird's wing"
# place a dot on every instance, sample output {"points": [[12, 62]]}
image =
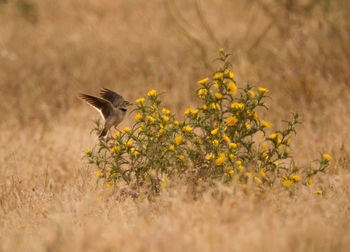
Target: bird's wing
{"points": [[115, 98], [103, 106]]}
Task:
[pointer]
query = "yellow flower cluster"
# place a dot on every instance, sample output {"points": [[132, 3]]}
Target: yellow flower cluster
{"points": [[187, 129], [141, 100], [231, 121], [115, 149], [221, 160], [202, 92], [266, 124], [326, 157], [152, 93], [178, 140], [232, 87], [237, 105], [263, 90], [202, 82], [218, 96], [214, 132], [219, 76], [229, 73]]}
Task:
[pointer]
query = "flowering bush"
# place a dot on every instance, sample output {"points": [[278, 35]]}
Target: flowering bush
{"points": [[222, 139]]}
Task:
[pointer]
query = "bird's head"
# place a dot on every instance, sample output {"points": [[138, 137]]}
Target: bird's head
{"points": [[124, 105]]}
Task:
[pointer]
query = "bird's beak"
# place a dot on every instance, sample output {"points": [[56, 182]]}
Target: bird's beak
{"points": [[130, 104]]}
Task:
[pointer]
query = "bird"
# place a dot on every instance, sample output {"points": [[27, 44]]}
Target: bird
{"points": [[111, 105]]}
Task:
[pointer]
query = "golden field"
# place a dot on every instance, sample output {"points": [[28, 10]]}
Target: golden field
{"points": [[50, 199]]}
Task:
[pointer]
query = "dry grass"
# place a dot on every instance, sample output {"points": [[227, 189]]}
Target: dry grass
{"points": [[51, 50]]}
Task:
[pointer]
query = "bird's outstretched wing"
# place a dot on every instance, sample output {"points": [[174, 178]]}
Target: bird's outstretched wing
{"points": [[115, 98], [101, 105]]}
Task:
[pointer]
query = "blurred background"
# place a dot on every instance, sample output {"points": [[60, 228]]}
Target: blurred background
{"points": [[52, 50]]}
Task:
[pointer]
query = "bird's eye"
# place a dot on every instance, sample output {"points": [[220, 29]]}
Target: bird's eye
{"points": [[123, 109]]}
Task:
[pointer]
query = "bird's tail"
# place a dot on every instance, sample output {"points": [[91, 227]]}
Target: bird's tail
{"points": [[104, 132]]}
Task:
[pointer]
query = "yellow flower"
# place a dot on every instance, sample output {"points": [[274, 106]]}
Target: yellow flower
{"points": [[98, 174], [262, 173], [221, 159], [188, 111], [287, 182], [202, 82], [202, 91], [215, 142], [318, 192], [218, 76], [232, 86], [229, 73], [161, 131], [214, 132], [195, 112], [113, 175], [126, 129], [109, 184], [221, 50], [232, 156], [165, 118], [257, 180], [276, 163], [88, 151], [165, 111], [231, 121], [273, 136], [141, 100], [176, 122], [255, 116], [178, 140], [116, 135], [199, 180], [294, 177], [181, 157], [140, 128], [138, 117], [266, 124], [150, 118], [263, 90], [210, 156], [247, 125], [237, 105], [128, 143], [216, 84], [205, 107], [233, 145], [115, 149], [172, 147], [187, 128], [326, 156], [251, 93], [218, 96], [152, 93], [225, 138], [309, 181]]}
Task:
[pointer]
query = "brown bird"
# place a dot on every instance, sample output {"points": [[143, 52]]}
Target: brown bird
{"points": [[111, 106]]}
